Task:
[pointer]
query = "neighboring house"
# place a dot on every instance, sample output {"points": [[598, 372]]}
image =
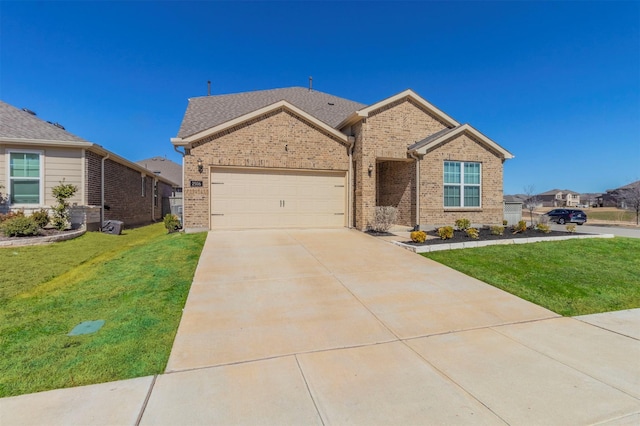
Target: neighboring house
{"points": [[170, 170], [161, 166], [296, 157], [618, 197], [559, 198], [36, 156]]}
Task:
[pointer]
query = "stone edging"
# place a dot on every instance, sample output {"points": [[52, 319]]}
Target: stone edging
{"points": [[472, 244], [33, 241]]}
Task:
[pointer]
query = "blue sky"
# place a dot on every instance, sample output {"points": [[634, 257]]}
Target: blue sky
{"points": [[555, 83]]}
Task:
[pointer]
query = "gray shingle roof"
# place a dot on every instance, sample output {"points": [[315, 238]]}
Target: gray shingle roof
{"points": [[18, 124], [164, 167], [430, 138], [209, 111]]}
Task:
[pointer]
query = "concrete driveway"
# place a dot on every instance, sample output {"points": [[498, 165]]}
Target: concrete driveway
{"points": [[337, 327]]}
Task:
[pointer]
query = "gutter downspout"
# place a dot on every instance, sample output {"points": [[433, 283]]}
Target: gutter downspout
{"points": [[102, 191], [175, 148], [352, 141], [413, 155]]}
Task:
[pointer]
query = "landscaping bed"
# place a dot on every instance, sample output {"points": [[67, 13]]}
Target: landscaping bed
{"points": [[484, 234]]}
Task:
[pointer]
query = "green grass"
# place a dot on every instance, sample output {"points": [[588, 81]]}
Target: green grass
{"points": [[618, 215], [137, 283], [574, 277]]}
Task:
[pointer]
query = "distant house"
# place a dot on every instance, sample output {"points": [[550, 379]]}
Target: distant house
{"points": [[617, 197], [36, 155], [170, 170], [559, 198]]}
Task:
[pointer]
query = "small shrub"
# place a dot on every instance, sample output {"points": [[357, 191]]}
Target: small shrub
{"points": [[543, 227], [19, 226], [446, 232], [11, 215], [462, 224], [473, 233], [520, 227], [505, 222], [497, 230], [41, 217], [61, 215], [571, 227], [384, 218], [171, 223], [418, 236]]}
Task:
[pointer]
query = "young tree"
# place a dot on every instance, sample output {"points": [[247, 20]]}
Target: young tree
{"points": [[62, 193], [532, 201], [630, 195]]}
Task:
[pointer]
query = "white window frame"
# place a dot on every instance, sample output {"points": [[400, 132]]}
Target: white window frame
{"points": [[40, 179], [462, 185], [143, 179]]}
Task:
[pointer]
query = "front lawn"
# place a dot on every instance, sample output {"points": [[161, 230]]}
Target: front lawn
{"points": [[137, 283], [573, 277]]}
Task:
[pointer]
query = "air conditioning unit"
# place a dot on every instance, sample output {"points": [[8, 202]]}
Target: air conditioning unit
{"points": [[112, 227]]}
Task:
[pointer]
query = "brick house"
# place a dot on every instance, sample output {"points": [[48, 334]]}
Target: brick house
{"points": [[296, 157], [36, 155]]}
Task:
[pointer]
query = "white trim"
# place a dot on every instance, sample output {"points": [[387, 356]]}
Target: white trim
{"points": [[41, 178], [364, 113], [246, 117], [462, 129]]}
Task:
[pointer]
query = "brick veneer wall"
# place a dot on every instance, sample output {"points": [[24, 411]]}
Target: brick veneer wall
{"points": [[461, 148], [386, 134], [396, 187], [123, 192], [278, 139]]}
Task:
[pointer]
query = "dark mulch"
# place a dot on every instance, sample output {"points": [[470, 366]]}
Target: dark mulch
{"points": [[485, 235]]}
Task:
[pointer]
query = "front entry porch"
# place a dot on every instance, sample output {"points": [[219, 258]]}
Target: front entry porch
{"points": [[396, 186]]}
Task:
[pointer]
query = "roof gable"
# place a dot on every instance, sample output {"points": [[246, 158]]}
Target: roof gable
{"points": [[364, 112], [253, 114], [438, 138], [207, 112]]}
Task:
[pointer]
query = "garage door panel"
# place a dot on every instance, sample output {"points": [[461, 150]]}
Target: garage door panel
{"points": [[259, 198]]}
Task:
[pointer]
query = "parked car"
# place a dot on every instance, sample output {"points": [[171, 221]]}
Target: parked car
{"points": [[563, 216]]}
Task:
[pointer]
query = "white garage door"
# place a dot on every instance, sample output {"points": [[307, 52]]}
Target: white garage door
{"points": [[249, 198]]}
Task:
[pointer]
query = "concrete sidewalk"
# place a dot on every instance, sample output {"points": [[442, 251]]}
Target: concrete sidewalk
{"points": [[336, 327]]}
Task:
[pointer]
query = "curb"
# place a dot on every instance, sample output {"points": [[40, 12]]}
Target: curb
{"points": [[473, 244], [34, 241]]}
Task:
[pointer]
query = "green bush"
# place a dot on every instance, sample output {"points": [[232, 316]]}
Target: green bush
{"points": [[41, 217], [497, 230], [11, 215], [418, 236], [571, 227], [520, 227], [171, 223], [19, 226], [505, 222], [473, 233], [61, 215], [446, 232], [463, 224], [543, 227]]}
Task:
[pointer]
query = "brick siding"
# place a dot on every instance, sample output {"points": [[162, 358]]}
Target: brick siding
{"points": [[278, 139], [123, 192], [386, 134], [461, 148]]}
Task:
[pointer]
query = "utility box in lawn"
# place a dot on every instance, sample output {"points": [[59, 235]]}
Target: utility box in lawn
{"points": [[112, 227]]}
